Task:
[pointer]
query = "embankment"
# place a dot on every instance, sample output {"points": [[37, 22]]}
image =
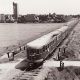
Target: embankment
{"points": [[72, 52]]}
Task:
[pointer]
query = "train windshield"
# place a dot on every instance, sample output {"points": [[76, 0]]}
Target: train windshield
{"points": [[32, 51], [54, 35]]}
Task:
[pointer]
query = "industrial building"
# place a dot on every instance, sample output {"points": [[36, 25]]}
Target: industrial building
{"points": [[15, 11]]}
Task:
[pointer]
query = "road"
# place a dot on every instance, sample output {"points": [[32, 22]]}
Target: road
{"points": [[57, 63]]}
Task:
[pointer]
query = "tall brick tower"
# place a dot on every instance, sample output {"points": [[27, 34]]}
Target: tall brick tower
{"points": [[15, 11]]}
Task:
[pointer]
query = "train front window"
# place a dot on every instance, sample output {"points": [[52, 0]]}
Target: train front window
{"points": [[32, 51]]}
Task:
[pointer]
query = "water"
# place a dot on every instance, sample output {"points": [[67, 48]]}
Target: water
{"points": [[13, 33]]}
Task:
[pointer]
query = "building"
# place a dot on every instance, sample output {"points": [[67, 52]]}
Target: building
{"points": [[2, 18], [9, 18], [15, 11], [31, 18]]}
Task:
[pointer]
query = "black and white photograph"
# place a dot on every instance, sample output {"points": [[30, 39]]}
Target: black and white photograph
{"points": [[39, 39]]}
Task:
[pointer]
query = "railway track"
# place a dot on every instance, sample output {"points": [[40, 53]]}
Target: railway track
{"points": [[30, 75], [37, 73]]}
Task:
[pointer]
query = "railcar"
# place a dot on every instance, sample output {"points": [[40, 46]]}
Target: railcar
{"points": [[39, 49]]}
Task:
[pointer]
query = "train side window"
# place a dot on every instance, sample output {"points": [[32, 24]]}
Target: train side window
{"points": [[44, 48], [37, 51], [32, 51], [53, 42], [40, 51], [29, 50], [48, 45], [56, 38]]}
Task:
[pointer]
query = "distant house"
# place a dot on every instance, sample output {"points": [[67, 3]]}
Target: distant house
{"points": [[2, 18], [9, 18], [21, 19], [31, 18]]}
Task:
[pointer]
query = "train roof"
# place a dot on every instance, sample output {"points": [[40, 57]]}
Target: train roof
{"points": [[63, 29], [40, 42]]}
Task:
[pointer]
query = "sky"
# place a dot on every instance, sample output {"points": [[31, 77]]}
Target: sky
{"points": [[41, 6]]}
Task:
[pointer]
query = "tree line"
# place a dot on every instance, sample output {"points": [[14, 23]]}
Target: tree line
{"points": [[45, 18]]}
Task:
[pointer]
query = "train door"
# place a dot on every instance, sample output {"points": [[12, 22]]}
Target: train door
{"points": [[54, 43], [64, 34], [28, 53], [38, 54], [59, 38], [45, 51]]}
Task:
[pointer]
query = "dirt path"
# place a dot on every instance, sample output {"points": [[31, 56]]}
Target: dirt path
{"points": [[52, 63], [8, 71]]}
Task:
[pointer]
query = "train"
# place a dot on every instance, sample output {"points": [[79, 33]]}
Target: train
{"points": [[38, 50]]}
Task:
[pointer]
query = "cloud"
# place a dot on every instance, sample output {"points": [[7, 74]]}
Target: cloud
{"points": [[42, 6]]}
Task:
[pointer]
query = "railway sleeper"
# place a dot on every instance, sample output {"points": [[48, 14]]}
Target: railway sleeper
{"points": [[29, 74], [26, 78]]}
